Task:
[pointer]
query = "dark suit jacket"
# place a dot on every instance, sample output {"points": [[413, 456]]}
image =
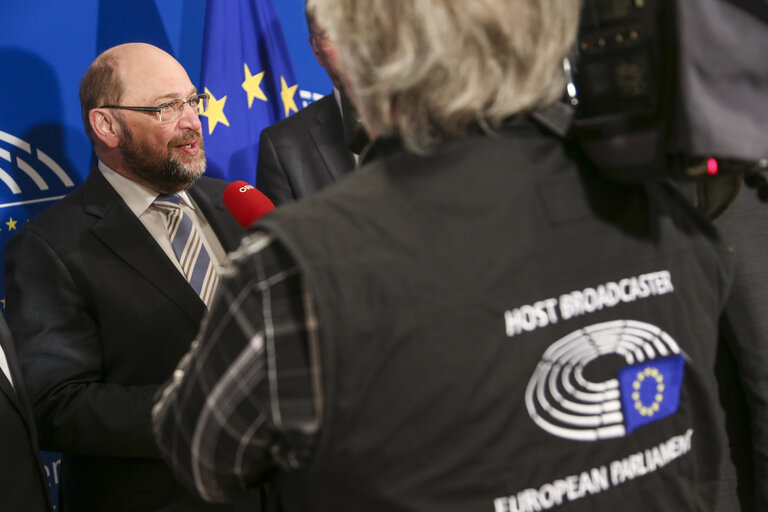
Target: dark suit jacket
{"points": [[744, 384], [23, 484], [303, 153], [101, 318]]}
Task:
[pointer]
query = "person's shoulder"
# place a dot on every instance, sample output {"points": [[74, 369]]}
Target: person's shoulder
{"points": [[303, 117], [312, 110], [60, 215], [58, 226]]}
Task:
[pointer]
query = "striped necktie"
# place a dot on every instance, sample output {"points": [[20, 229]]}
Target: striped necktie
{"points": [[188, 246]]}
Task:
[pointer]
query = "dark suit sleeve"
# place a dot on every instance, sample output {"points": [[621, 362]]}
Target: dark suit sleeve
{"points": [[60, 353], [23, 485], [271, 178], [745, 329]]}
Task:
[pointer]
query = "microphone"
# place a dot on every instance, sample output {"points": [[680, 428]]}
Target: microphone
{"points": [[246, 203]]}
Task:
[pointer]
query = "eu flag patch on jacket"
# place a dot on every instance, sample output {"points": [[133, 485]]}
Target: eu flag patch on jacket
{"points": [[567, 400], [650, 390]]}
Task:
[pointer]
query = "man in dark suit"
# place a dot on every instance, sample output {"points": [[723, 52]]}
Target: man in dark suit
{"points": [[100, 305], [316, 146], [23, 485]]}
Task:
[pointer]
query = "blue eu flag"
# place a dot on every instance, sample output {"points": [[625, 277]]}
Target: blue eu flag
{"points": [[650, 390], [247, 72]]}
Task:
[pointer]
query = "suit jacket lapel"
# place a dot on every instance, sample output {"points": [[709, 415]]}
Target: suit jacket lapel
{"points": [[120, 230], [13, 364], [17, 395], [228, 232], [328, 135], [17, 392], [7, 389]]}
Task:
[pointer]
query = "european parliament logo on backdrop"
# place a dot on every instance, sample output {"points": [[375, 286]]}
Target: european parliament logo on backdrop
{"points": [[31, 181], [247, 71]]}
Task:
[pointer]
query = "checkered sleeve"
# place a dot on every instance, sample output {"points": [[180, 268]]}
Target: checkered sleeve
{"points": [[248, 388]]}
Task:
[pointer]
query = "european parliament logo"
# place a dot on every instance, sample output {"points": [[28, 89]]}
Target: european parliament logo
{"points": [[31, 181], [563, 400]]}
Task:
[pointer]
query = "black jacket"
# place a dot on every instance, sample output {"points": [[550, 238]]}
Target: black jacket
{"points": [[303, 153], [23, 484], [503, 329], [101, 317]]}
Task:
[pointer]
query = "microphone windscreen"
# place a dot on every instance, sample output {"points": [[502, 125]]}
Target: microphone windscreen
{"points": [[246, 203]]}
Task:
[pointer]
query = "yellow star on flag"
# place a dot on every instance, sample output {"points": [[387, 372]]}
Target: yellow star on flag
{"points": [[11, 224], [287, 94], [252, 85], [215, 112]]}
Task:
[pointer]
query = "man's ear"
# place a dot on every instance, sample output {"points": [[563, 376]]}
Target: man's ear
{"points": [[105, 127], [313, 44]]}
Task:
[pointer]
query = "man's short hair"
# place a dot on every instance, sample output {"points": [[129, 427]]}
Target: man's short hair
{"points": [[100, 85], [428, 69]]}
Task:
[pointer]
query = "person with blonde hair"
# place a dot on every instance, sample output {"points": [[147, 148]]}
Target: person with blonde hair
{"points": [[476, 320]]}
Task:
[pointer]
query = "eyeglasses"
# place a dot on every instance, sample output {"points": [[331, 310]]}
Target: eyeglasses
{"points": [[170, 110]]}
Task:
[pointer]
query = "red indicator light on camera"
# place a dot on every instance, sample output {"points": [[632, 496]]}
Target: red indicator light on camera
{"points": [[712, 166]]}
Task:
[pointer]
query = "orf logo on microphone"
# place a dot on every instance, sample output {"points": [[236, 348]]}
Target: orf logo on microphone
{"points": [[246, 203]]}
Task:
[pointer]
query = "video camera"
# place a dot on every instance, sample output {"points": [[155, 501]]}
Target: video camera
{"points": [[670, 88]]}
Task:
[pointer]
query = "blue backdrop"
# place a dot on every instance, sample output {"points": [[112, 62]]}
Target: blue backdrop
{"points": [[46, 47]]}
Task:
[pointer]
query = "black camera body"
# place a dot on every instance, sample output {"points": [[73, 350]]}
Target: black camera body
{"points": [[662, 88]]}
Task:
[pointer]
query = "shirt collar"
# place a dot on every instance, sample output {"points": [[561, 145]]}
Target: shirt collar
{"points": [[337, 97]]}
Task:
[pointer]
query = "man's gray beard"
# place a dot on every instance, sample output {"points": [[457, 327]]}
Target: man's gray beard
{"points": [[176, 176], [168, 176]]}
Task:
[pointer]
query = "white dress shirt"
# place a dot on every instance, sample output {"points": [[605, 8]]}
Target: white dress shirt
{"points": [[4, 366], [140, 198]]}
